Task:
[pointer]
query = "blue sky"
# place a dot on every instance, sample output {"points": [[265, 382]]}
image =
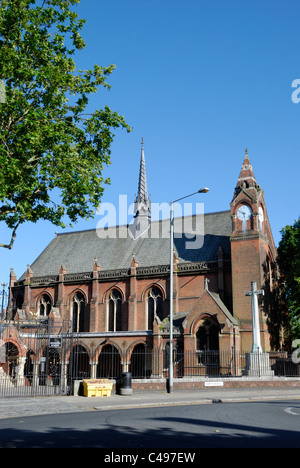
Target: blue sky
{"points": [[200, 81]]}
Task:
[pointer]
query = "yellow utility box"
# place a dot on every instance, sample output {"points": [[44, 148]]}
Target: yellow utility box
{"points": [[97, 387]]}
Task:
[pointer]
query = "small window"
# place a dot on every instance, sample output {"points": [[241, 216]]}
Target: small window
{"points": [[45, 306]]}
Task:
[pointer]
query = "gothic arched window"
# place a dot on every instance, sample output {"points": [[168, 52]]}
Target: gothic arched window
{"points": [[78, 307], [45, 306], [114, 311], [154, 306], [208, 336]]}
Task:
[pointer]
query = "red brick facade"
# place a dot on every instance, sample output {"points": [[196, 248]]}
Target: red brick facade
{"points": [[115, 305], [252, 253]]}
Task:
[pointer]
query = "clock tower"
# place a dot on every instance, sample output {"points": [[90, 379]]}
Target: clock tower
{"points": [[253, 255]]}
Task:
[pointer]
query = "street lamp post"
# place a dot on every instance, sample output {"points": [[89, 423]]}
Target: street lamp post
{"points": [[203, 190]]}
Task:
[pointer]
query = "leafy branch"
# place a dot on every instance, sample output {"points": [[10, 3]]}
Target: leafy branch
{"points": [[48, 140]]}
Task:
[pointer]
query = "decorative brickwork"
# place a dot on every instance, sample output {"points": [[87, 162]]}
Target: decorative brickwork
{"points": [[209, 283]]}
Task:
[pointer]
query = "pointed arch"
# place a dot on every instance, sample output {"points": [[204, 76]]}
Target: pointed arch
{"points": [[114, 310], [207, 334], [151, 285], [79, 363], [78, 306], [109, 362], [108, 291], [44, 304], [141, 361], [154, 298], [76, 290]]}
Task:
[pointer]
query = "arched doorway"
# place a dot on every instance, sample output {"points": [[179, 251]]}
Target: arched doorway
{"points": [[11, 359], [208, 337], [141, 362], [79, 364], [207, 346], [109, 363]]}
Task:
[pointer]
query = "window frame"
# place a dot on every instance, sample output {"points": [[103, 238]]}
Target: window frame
{"points": [[114, 311], [47, 305], [150, 295], [80, 303]]}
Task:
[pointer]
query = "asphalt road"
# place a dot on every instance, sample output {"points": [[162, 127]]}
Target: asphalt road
{"points": [[272, 424]]}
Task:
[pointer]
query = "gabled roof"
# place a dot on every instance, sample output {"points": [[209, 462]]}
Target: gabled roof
{"points": [[222, 306], [209, 303], [78, 250]]}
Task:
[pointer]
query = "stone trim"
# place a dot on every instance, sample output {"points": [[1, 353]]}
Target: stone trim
{"points": [[155, 270]]}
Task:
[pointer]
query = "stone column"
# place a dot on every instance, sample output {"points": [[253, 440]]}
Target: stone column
{"points": [[257, 362]]}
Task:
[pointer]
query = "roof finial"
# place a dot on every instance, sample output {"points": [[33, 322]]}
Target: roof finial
{"points": [[142, 143]]}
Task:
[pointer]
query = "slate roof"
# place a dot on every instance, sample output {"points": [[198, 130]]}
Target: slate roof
{"points": [[77, 250]]}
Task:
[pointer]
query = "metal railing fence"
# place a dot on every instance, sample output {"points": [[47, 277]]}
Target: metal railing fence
{"points": [[146, 364], [52, 359]]}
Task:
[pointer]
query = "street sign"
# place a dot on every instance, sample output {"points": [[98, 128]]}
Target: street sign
{"points": [[55, 342]]}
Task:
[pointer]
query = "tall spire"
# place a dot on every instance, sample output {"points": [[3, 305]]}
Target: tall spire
{"points": [[142, 204], [246, 174], [246, 178], [142, 189]]}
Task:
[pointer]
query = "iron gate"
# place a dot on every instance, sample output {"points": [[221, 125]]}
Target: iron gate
{"points": [[35, 359]]}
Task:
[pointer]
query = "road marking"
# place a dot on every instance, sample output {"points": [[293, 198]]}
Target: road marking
{"points": [[290, 411]]}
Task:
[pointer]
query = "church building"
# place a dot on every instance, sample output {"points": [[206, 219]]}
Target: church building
{"points": [[111, 289]]}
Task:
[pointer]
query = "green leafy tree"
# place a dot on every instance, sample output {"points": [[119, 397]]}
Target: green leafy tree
{"points": [[49, 143], [289, 264]]}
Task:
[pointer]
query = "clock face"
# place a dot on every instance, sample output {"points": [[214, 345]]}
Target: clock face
{"points": [[244, 212]]}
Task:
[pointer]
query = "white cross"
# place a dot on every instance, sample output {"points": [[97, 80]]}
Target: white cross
{"points": [[256, 344]]}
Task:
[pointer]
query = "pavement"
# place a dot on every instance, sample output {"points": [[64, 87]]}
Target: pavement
{"points": [[20, 407]]}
